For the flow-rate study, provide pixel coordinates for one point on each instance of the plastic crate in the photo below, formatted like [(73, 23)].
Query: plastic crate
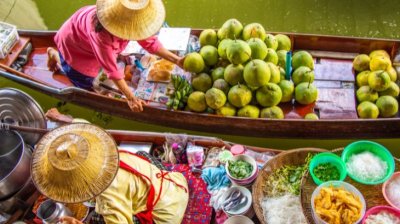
[(8, 38)]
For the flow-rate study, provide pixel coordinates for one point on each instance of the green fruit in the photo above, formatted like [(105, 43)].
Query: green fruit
[(311, 116), (234, 74), (303, 74), (202, 82), (253, 30), (387, 105), (238, 52), (284, 42), (256, 73), (305, 93), (210, 55), (376, 53), (271, 42), (362, 78), (361, 62), (222, 85), (283, 73), (275, 73), (215, 98), (197, 101), (223, 45), (392, 73), (379, 63), (287, 88), (273, 112), (231, 29), (239, 96), (249, 111), (365, 93), (272, 56), (208, 37), (218, 73), (194, 63), (282, 58), (393, 90), (302, 58), (367, 109), (226, 110), (269, 95), (379, 80), (258, 48)]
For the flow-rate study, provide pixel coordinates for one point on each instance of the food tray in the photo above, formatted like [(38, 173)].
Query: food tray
[(372, 193), (8, 38)]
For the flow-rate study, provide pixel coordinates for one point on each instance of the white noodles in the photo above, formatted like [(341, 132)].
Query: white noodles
[(285, 209)]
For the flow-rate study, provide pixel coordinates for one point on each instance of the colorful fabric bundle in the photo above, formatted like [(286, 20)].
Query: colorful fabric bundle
[(215, 177)]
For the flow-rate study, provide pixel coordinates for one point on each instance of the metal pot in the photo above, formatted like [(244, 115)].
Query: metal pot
[(15, 162), (19, 200), (50, 211)]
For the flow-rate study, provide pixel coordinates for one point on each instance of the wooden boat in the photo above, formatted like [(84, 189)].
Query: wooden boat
[(336, 105), (155, 139)]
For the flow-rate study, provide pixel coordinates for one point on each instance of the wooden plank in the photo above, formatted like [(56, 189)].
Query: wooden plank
[(15, 51)]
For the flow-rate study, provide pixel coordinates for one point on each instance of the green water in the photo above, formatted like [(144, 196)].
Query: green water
[(366, 18)]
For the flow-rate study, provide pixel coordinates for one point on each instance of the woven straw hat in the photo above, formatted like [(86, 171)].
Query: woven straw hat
[(74, 163), (131, 19)]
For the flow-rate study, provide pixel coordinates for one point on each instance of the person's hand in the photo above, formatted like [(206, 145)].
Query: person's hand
[(69, 220), (180, 62), (135, 104)]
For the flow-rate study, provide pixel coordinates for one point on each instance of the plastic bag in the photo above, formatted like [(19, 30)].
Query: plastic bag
[(195, 155)]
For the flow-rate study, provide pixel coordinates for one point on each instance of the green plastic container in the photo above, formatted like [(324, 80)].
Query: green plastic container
[(375, 148), (327, 157)]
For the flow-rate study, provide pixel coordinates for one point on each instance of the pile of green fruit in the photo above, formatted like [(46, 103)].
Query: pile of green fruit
[(377, 88), (182, 90), (240, 71)]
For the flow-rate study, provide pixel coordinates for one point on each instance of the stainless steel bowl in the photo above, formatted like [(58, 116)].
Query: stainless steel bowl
[(50, 211), (15, 162)]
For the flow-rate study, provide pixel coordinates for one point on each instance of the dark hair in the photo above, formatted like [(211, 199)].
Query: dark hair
[(97, 25)]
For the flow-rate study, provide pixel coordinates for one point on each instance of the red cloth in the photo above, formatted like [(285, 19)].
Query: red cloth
[(198, 210), (87, 51)]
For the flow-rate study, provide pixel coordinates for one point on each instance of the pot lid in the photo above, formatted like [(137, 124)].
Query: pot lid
[(18, 108)]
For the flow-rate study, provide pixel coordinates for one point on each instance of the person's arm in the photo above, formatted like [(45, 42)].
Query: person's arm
[(154, 46), (134, 103), (103, 48)]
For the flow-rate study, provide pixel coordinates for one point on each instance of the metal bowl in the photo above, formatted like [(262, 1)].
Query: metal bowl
[(15, 161)]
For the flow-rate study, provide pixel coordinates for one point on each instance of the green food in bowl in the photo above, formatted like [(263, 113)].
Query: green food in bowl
[(378, 150), (240, 169), (327, 167)]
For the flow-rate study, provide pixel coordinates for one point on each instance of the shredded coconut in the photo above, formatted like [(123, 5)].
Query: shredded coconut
[(382, 218), (285, 209), (367, 166), (393, 191)]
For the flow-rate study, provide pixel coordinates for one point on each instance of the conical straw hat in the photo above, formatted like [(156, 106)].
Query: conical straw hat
[(131, 19), (74, 163)]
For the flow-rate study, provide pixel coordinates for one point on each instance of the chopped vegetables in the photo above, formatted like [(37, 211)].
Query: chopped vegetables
[(326, 172), (337, 205), (240, 169), (366, 166), (286, 180)]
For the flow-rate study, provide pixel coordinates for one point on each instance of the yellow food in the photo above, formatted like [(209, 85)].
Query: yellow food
[(337, 206)]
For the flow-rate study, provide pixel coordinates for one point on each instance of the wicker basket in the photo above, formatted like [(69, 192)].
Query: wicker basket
[(290, 157)]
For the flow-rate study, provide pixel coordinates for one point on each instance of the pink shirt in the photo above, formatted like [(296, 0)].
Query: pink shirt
[(87, 51)]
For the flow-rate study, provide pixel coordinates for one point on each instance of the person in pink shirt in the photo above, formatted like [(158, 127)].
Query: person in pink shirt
[(92, 38)]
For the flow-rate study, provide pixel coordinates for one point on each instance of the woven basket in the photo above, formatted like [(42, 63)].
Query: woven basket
[(290, 157)]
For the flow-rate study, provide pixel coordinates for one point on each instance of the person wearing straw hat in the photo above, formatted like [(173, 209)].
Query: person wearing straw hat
[(77, 162), (93, 37)]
